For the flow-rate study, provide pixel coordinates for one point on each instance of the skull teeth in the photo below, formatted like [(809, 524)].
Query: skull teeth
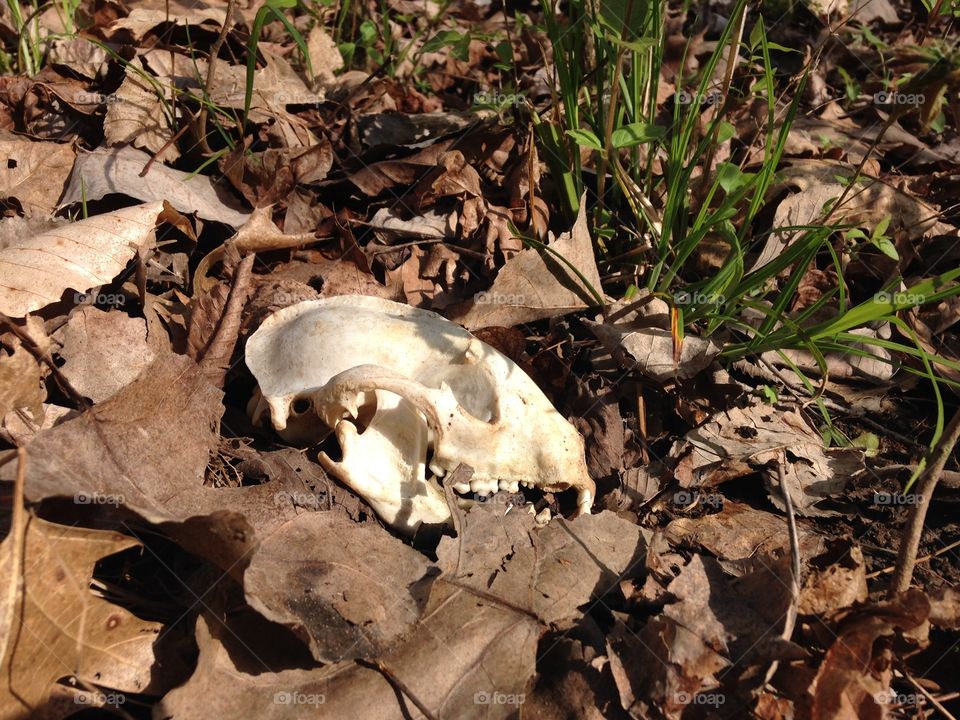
[(509, 486), (483, 487), (462, 487)]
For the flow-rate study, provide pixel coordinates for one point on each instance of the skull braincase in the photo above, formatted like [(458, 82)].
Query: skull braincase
[(395, 383)]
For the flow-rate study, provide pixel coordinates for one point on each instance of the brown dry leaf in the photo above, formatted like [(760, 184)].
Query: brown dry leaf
[(471, 659), (651, 351), (275, 86), (837, 579), (549, 571), (535, 284), (325, 58), (62, 627), (453, 177), (818, 182), (879, 368), (834, 128), (21, 384), (216, 356), (708, 603), (353, 590), (147, 15), (659, 669), (105, 171), (206, 309), (743, 440), (136, 116), (79, 54), (104, 351), (258, 234), (274, 175), (430, 225), (602, 428), (678, 654), (34, 173), (866, 11), (739, 532), (147, 448), (35, 270), (15, 227), (945, 608), (853, 681), (22, 428), (429, 275), (638, 333), (573, 681), (374, 178)]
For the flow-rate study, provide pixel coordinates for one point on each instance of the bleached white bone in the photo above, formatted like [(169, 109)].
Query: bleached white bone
[(393, 382)]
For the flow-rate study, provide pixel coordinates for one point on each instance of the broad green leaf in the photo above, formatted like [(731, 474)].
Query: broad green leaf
[(725, 131), (586, 138), (636, 134), (732, 178), (443, 39)]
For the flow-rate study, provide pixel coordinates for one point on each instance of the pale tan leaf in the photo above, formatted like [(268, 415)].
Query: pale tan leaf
[(364, 585), (325, 58), (638, 333), (136, 116), (36, 270), (34, 173), (62, 628), (20, 383), (535, 284), (147, 15), (104, 351), (79, 54), (739, 441), (117, 170), (820, 182), (471, 659)]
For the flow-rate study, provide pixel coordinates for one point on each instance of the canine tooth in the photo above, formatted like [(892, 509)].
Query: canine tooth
[(504, 484), (514, 487), (462, 487)]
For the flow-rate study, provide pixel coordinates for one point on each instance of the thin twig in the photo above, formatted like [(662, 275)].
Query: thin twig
[(791, 618), (933, 701), (948, 478), (461, 474), (910, 542), (211, 73), (925, 558)]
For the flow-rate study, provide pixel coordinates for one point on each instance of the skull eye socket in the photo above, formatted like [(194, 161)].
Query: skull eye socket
[(300, 406)]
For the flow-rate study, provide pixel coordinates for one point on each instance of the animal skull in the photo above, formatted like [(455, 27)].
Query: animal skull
[(394, 382)]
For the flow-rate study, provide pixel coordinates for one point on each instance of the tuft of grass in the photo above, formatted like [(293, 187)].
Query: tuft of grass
[(656, 184)]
